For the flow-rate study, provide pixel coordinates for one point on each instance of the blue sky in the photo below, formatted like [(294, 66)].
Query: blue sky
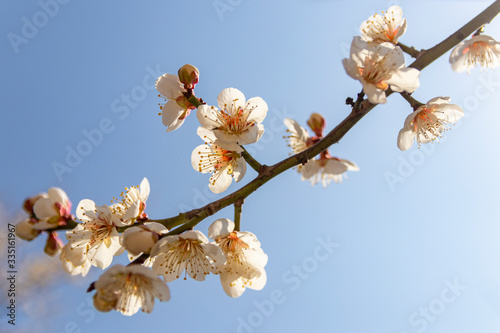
[(368, 255)]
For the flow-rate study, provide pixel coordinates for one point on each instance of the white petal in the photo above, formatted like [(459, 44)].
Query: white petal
[(405, 79), (258, 283), (86, 210), (44, 209), (452, 113), (374, 94), (222, 181), (335, 167), (175, 125), (232, 284), (206, 134), (401, 30), (405, 139), (294, 127), (171, 112), (351, 68), (258, 109), (252, 135), (206, 116), (144, 189), (196, 158), (310, 169), (220, 228), (230, 98), (169, 86), (57, 195), (240, 169)]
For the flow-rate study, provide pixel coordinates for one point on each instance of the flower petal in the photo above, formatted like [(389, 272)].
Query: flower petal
[(405, 79), (169, 86), (230, 99)]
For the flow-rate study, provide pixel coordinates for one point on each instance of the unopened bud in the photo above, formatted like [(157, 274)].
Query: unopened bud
[(141, 239), (30, 202), (24, 230), (189, 76), (317, 124), (104, 301), (54, 244)]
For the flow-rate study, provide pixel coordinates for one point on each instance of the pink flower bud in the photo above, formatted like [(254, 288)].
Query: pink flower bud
[(54, 244), (24, 229), (189, 76), (30, 202), (317, 124)]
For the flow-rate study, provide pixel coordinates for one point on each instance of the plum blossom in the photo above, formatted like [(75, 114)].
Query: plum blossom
[(379, 67), (245, 260), (177, 108), (327, 169), (127, 289), (132, 204), (189, 252), (74, 260), (384, 28), (97, 234), (222, 159), (52, 209), (428, 122), (236, 120), (480, 50), (298, 137)]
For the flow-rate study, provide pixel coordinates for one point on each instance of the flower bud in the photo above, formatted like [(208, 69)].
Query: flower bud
[(317, 124), (30, 202), (141, 239), (54, 245), (104, 300), (24, 229), (189, 76)]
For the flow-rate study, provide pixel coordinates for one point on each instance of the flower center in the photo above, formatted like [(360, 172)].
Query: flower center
[(481, 53)]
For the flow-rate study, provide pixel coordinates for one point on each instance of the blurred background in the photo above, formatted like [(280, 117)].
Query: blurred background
[(408, 244)]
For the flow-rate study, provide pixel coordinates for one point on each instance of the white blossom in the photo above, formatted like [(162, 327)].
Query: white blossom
[(326, 170), (480, 50), (224, 162), (132, 204), (379, 67), (97, 234), (74, 260), (236, 120), (245, 260), (387, 27), (189, 252), (127, 289), (428, 122), (177, 108)]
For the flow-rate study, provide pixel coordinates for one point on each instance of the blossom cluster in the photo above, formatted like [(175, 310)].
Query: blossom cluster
[(157, 255), (95, 240)]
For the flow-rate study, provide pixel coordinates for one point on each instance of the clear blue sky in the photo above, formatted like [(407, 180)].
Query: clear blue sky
[(429, 241)]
